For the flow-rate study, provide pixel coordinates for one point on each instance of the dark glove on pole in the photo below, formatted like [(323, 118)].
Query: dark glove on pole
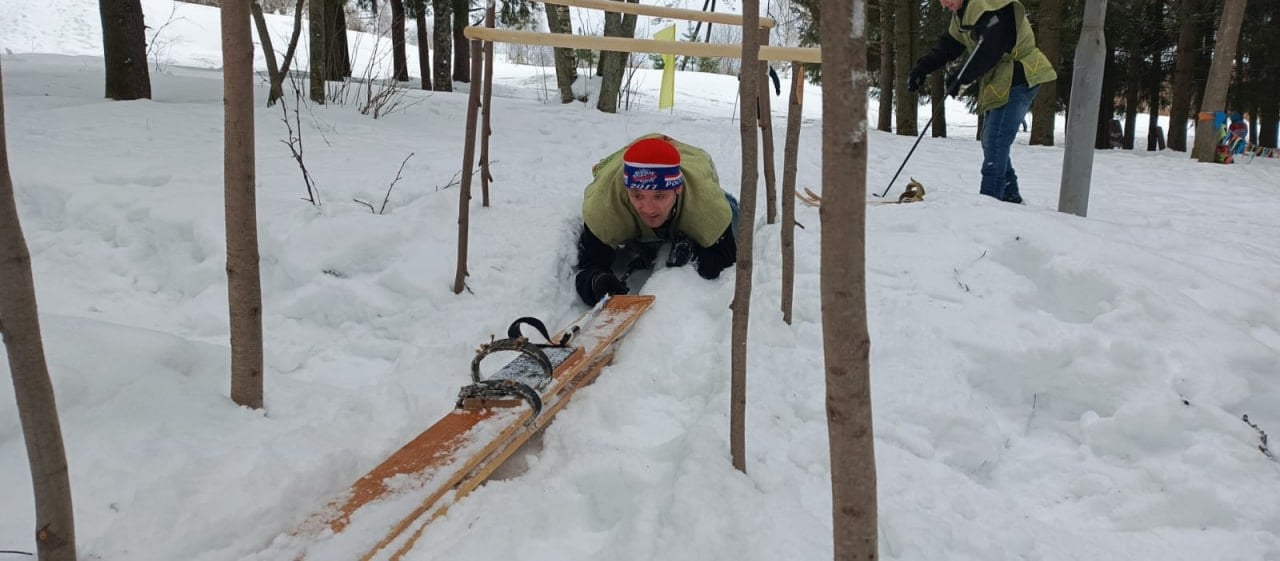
[(916, 79), (594, 284)]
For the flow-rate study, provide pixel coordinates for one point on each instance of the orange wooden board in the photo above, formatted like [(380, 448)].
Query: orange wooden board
[(454, 455)]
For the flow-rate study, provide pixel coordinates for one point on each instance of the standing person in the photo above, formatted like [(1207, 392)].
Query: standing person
[(1009, 70), (1238, 133), (657, 190)]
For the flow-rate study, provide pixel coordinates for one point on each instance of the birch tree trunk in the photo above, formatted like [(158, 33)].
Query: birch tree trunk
[(846, 340), (612, 63), (566, 61), (37, 409), (244, 288)]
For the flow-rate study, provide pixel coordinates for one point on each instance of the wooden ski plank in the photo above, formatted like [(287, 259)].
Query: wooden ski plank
[(463, 448), (482, 473)]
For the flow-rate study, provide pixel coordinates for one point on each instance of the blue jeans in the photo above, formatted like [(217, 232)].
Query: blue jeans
[(999, 128)]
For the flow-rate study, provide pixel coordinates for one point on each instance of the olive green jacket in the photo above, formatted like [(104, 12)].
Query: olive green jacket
[(993, 87)]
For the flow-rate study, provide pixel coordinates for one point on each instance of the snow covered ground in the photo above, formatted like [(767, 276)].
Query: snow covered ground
[(1045, 386)]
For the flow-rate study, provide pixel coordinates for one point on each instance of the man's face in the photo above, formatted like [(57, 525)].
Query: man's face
[(952, 5), (653, 206)]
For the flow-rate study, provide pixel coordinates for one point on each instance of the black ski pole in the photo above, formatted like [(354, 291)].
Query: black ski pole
[(972, 52)]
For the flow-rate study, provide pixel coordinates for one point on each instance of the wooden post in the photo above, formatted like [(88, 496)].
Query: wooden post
[(748, 88), (1082, 121), (622, 44), (662, 12), (468, 164), (766, 138), (790, 154), (485, 130)]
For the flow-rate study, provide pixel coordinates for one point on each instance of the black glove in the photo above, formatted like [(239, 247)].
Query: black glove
[(916, 79), (594, 284), (711, 262), (953, 84), (681, 252)]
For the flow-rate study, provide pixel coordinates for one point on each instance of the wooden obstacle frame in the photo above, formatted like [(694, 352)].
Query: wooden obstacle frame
[(482, 39)]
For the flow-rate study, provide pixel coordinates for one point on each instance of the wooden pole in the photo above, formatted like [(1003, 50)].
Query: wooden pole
[(622, 44), (485, 129), (749, 89), (468, 164), (765, 115), (790, 154), (660, 11)]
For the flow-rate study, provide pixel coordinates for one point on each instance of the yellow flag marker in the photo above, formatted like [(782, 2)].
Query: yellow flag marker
[(667, 95)]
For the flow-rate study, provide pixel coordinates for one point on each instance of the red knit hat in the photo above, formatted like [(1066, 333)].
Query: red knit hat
[(652, 164)]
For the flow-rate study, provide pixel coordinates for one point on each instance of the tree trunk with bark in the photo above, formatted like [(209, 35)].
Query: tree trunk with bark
[(338, 57), (244, 285), (468, 164), (1215, 91), (1153, 46), (885, 122), (1132, 94), (33, 389), (1044, 109), (424, 47), (486, 104), (790, 154), (461, 45), (124, 49), (748, 114), (904, 31), (264, 38), (765, 111), (442, 77), (277, 75), (566, 61), (316, 50), (612, 63), (938, 84), (938, 90), (1107, 101), (399, 61), (846, 339), (1183, 72)]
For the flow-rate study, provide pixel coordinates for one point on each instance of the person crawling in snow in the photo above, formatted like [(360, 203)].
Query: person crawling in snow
[(656, 190)]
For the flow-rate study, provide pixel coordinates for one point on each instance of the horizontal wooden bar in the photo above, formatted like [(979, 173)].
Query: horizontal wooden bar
[(626, 45), (658, 11)]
